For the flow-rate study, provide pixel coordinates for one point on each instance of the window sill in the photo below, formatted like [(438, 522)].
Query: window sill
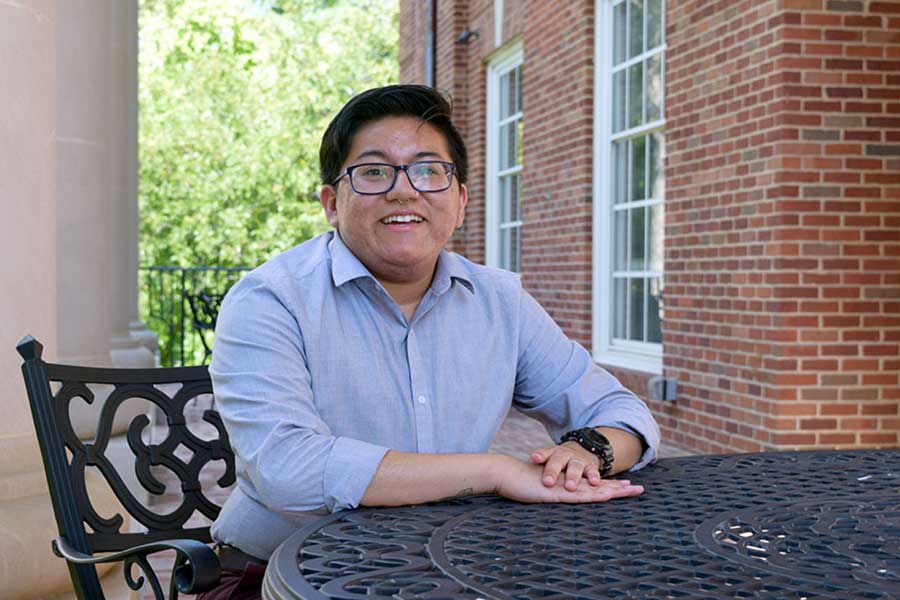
[(644, 363)]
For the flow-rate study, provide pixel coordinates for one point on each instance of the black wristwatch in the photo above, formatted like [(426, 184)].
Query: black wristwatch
[(596, 443)]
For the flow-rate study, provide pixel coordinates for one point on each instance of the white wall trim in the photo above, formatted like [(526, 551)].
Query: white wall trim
[(646, 357), (502, 61)]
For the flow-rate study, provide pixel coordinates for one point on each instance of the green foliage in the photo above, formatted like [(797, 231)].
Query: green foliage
[(234, 97)]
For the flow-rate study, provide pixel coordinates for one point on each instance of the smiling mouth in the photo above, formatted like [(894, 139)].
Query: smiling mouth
[(402, 219)]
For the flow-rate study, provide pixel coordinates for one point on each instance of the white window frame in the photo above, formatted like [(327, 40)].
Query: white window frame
[(502, 62), (639, 356)]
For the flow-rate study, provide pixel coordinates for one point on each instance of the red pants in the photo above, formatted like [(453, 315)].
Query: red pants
[(233, 585)]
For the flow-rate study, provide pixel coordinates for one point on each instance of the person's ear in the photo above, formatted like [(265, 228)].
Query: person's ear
[(328, 198), (463, 200)]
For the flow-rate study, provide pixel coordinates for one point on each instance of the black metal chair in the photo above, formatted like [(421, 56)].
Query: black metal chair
[(204, 312), (85, 537)]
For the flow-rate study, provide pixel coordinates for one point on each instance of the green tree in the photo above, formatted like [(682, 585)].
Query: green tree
[(234, 97)]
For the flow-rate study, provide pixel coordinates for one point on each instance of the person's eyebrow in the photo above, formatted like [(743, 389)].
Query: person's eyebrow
[(425, 154)]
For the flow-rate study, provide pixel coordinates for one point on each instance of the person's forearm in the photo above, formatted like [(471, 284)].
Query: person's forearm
[(411, 478), (627, 448)]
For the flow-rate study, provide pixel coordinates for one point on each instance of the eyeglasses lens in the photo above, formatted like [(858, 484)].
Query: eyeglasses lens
[(424, 176)]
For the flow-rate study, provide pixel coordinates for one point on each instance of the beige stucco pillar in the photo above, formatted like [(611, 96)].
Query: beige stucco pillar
[(68, 235), (28, 273), (97, 182)]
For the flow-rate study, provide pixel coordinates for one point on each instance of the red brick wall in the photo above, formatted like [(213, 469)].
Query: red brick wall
[(412, 41), (782, 300), (558, 105), (557, 89), (782, 320)]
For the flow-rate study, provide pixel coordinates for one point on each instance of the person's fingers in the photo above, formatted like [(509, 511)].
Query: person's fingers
[(541, 455), (606, 491), (574, 470), (592, 475), (553, 467)]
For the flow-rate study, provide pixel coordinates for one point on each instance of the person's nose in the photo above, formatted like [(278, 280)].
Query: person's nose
[(403, 191)]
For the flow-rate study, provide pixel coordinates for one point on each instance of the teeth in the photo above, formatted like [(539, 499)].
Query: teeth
[(402, 219)]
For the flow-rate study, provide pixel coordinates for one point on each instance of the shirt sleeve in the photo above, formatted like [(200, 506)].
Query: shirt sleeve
[(558, 383), (264, 395)]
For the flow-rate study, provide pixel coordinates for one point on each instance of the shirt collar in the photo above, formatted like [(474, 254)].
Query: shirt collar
[(449, 269), (346, 267)]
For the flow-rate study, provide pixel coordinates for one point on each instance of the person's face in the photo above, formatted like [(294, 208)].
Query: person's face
[(396, 251)]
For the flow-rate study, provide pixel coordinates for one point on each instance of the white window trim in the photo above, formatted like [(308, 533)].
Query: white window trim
[(502, 62), (636, 356)]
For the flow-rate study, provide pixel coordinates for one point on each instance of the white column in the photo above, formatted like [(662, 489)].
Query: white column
[(68, 233), (28, 274), (97, 182), (132, 344)]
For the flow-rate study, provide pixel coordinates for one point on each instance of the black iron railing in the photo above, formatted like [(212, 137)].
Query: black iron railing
[(180, 305)]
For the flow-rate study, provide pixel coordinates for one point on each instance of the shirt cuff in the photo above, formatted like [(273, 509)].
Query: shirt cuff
[(349, 470), (650, 436)]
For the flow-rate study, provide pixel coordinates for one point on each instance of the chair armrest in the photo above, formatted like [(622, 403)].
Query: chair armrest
[(196, 566)]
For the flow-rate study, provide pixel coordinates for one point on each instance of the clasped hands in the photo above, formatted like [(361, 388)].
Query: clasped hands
[(563, 473)]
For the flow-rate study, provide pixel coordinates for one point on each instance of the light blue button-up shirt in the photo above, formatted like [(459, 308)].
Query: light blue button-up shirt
[(317, 374)]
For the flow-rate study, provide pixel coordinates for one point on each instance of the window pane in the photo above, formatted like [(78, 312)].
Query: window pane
[(620, 240), (510, 248), (656, 176), (654, 325), (636, 310), (508, 151), (515, 202), (620, 302), (638, 239), (654, 87), (635, 94), (520, 139), (656, 233), (620, 172), (619, 33), (504, 249), (510, 203), (638, 168), (504, 96), (518, 88), (635, 28), (618, 100), (516, 252), (504, 199), (654, 23)]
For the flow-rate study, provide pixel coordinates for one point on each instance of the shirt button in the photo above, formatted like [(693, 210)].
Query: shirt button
[(421, 399)]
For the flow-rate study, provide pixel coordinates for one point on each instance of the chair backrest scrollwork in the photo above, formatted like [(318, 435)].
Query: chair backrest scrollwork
[(182, 450)]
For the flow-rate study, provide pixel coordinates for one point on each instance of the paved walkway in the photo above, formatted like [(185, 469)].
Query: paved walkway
[(518, 437)]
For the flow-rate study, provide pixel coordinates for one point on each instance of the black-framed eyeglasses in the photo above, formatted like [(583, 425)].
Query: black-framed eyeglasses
[(380, 178)]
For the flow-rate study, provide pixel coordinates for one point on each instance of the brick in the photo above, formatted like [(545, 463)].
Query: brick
[(794, 439), (887, 439), (884, 7), (802, 4), (861, 21), (883, 150), (880, 409), (834, 409), (858, 423), (799, 408), (837, 439)]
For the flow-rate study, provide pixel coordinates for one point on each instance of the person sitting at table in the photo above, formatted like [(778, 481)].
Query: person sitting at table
[(370, 367)]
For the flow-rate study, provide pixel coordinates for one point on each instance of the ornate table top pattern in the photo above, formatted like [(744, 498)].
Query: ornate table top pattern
[(775, 525)]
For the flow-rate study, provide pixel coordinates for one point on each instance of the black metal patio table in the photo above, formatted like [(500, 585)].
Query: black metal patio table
[(772, 525)]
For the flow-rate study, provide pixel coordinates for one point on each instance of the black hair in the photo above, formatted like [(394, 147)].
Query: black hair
[(419, 101)]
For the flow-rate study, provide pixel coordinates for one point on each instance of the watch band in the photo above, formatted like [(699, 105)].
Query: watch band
[(596, 443)]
